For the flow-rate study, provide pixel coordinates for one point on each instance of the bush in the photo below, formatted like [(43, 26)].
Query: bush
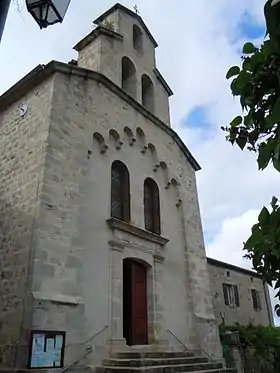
[(259, 347)]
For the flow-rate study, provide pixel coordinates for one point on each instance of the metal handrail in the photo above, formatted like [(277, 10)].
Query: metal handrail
[(207, 355), (89, 350), (178, 340), (188, 349)]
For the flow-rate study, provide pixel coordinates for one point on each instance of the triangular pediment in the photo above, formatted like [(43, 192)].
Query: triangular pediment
[(133, 14)]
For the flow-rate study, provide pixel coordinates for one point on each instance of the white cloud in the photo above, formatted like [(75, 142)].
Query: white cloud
[(233, 231)]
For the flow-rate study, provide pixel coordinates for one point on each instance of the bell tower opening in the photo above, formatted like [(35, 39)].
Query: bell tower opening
[(129, 81), (148, 93), (137, 39)]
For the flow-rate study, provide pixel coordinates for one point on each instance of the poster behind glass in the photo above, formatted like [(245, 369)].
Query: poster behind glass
[(47, 350)]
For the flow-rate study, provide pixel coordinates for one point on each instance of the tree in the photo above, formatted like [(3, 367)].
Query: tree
[(257, 83)]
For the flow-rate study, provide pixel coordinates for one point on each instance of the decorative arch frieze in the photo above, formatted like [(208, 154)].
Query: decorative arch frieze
[(129, 133), (146, 148), (115, 136), (101, 142), (175, 184)]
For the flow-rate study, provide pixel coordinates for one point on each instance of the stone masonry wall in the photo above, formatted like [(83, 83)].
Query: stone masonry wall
[(105, 55), (59, 254), (244, 314), (22, 152), (71, 271)]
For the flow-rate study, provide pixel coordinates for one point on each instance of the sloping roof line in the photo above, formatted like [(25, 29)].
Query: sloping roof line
[(42, 72), (131, 13), (112, 34), (163, 82), (231, 266), (94, 34)]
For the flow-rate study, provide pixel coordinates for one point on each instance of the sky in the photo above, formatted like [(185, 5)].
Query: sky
[(198, 42)]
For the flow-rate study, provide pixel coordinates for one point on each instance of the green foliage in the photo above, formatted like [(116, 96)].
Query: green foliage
[(257, 84), (263, 246), (260, 337), (234, 70), (259, 345)]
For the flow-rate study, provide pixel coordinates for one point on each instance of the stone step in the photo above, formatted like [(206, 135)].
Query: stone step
[(163, 368), (223, 370), (152, 355), (155, 361)]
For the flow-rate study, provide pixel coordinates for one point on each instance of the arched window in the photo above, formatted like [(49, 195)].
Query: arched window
[(151, 206), (120, 192), (129, 81), (137, 39), (147, 93)]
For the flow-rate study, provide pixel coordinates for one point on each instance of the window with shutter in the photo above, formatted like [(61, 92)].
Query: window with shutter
[(256, 299), (120, 192), (225, 294), (236, 296), (259, 300), (231, 295), (151, 206)]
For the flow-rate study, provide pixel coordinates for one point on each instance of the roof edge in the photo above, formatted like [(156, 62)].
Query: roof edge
[(94, 34), (163, 82), (33, 78), (36, 76), (234, 267), (131, 13)]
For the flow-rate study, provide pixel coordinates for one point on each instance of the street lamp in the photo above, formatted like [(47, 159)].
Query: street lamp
[(47, 12), (4, 7)]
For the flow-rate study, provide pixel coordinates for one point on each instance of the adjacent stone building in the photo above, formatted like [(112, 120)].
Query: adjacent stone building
[(239, 295), (101, 237)]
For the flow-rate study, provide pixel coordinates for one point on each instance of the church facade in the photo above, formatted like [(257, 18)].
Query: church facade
[(101, 236)]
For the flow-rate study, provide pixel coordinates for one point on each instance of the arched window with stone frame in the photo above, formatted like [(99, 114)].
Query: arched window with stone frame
[(137, 39), (120, 192), (148, 96), (129, 78), (152, 206)]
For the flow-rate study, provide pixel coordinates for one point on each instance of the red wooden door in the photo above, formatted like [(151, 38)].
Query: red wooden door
[(139, 327)]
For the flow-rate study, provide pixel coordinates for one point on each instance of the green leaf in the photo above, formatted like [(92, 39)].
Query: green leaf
[(239, 83), (274, 2), (264, 216), (277, 286), (248, 120), (241, 141), (276, 164), (276, 154), (234, 70), (265, 154), (257, 259), (275, 114), (268, 48), (252, 241), (236, 121), (271, 19), (249, 48), (273, 204)]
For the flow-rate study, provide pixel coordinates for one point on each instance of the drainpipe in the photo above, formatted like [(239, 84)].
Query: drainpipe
[(268, 304)]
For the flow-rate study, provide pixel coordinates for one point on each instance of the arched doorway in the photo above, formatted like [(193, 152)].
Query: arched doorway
[(135, 312)]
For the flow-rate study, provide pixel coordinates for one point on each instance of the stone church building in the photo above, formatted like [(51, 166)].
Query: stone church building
[(101, 236)]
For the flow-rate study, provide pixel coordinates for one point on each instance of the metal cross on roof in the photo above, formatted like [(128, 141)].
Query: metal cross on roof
[(136, 9)]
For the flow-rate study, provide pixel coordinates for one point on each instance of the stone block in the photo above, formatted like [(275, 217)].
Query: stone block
[(43, 269)]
